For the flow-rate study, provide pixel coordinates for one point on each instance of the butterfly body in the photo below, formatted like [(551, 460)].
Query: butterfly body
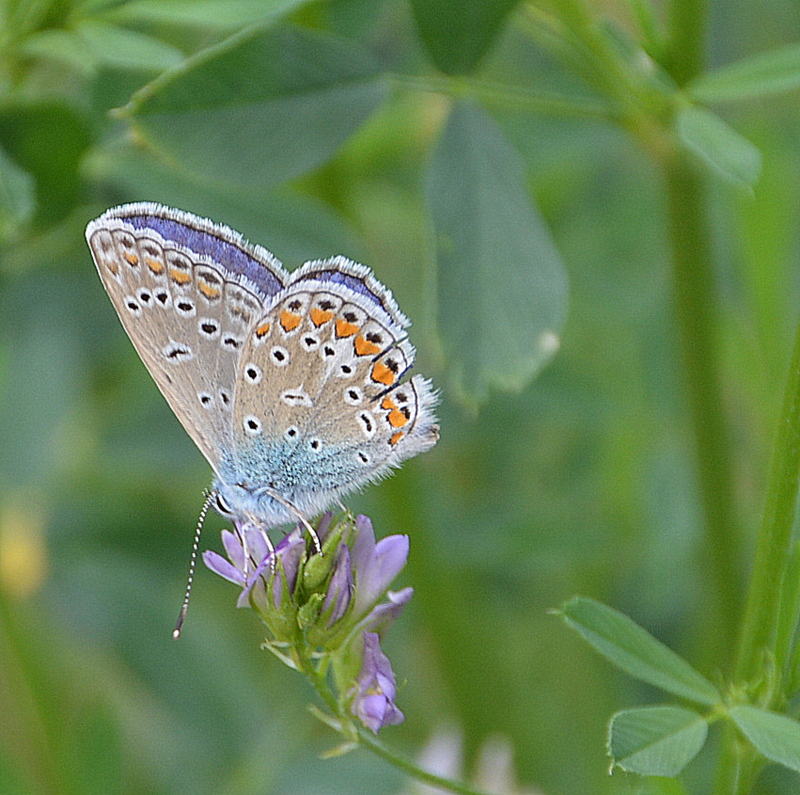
[(292, 385)]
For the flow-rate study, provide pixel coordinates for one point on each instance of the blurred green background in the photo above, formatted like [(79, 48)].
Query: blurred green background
[(582, 482)]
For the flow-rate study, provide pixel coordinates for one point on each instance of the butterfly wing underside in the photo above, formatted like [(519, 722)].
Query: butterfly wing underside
[(294, 387), (322, 405), (186, 313)]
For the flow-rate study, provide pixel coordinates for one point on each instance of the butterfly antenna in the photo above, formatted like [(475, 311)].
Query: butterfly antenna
[(176, 633)]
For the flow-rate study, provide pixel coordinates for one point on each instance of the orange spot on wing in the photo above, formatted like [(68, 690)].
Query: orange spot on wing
[(397, 418), (396, 437), (366, 348), (263, 330), (345, 329), (208, 291), (382, 374), (179, 277), (131, 258), (289, 320), (388, 404), (320, 316), (154, 265)]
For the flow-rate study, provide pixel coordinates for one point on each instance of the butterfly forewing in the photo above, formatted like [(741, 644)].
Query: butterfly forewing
[(186, 316)]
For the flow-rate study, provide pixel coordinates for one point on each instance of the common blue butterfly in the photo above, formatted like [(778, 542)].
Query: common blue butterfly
[(294, 386)]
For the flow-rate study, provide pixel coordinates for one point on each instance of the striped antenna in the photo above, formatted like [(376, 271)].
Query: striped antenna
[(176, 633)]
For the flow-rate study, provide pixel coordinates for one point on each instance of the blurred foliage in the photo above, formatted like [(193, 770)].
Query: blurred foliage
[(360, 127)]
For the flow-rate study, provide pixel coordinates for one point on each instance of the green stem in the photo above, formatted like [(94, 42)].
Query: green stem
[(543, 102), (774, 546), (687, 25), (694, 305), (401, 763), (370, 742)]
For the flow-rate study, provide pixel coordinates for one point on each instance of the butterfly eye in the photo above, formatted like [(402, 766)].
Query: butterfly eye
[(221, 505)]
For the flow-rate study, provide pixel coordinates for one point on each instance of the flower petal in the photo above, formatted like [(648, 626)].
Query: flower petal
[(384, 613), (220, 566), (233, 548), (372, 580), (255, 541), (363, 545), (373, 703), (340, 587), (324, 525)]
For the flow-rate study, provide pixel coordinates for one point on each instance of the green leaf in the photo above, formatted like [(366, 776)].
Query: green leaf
[(656, 741), (293, 225), (17, 195), (458, 33), (757, 76), (636, 651), (63, 46), (719, 145), (213, 14), (48, 139), (262, 107), (776, 736), (502, 289), (126, 49)]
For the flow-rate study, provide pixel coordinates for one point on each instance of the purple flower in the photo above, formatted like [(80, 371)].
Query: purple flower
[(325, 610), (340, 588), (342, 591), (376, 565), (375, 688), (250, 563)]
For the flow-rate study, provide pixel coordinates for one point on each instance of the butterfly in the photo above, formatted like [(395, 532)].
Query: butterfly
[(294, 386)]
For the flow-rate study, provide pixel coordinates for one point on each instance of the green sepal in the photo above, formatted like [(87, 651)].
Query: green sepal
[(308, 613)]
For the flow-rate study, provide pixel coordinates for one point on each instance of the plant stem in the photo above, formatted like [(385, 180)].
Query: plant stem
[(370, 742), (687, 27), (547, 103), (774, 546), (694, 305), (401, 763)]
